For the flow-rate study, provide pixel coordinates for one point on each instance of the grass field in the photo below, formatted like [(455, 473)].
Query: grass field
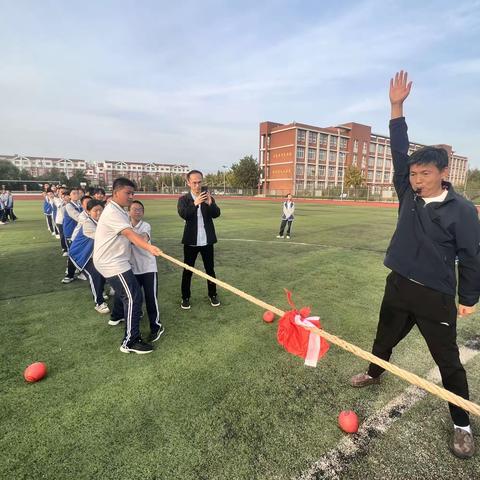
[(218, 398)]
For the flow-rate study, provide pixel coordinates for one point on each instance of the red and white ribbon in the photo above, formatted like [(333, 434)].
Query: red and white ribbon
[(313, 349)]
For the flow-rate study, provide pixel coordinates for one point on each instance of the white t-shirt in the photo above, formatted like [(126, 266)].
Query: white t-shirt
[(143, 261), (60, 210), (440, 198), (81, 220), (112, 251)]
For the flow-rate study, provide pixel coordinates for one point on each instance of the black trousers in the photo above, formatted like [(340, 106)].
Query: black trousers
[(97, 282), (282, 227), (49, 218), (190, 255), (127, 304), (149, 283), (9, 214), (63, 242), (71, 268), (405, 304)]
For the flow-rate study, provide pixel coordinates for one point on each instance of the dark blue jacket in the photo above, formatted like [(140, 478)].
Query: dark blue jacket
[(429, 237)]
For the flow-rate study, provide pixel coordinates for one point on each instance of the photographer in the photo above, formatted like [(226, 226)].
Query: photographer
[(198, 209)]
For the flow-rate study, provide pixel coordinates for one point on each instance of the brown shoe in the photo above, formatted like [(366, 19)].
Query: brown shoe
[(363, 380), (463, 445)]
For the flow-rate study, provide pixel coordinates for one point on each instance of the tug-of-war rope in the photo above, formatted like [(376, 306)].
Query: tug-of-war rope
[(399, 372)]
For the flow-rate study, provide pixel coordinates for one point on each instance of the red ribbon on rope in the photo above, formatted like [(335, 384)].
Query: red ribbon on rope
[(296, 339)]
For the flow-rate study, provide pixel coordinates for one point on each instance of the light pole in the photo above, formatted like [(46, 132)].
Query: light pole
[(224, 178)]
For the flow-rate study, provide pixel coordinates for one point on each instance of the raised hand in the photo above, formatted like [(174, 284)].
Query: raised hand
[(399, 90)]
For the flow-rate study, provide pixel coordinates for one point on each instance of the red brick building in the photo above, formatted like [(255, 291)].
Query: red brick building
[(299, 158)]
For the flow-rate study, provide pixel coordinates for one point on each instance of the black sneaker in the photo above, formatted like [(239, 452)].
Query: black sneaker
[(185, 304), (139, 346), (153, 337), (214, 301)]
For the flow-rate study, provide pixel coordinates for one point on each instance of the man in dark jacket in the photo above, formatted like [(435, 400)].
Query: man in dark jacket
[(198, 209), (435, 227)]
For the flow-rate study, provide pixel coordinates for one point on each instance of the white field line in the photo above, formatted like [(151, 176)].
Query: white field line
[(333, 463)]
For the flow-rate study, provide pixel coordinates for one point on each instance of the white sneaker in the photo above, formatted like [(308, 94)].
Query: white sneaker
[(111, 292), (103, 308), (65, 254), (288, 236), (105, 297), (68, 280), (280, 236), (115, 322), (57, 236), (81, 276)]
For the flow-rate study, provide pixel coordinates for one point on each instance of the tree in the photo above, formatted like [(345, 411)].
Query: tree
[(148, 183), (472, 185), (245, 173), (353, 177), (77, 178)]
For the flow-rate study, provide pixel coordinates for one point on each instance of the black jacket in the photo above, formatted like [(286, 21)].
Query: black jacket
[(188, 211), (429, 237)]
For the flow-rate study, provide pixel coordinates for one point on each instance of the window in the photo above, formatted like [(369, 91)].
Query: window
[(388, 163), (341, 157), (332, 156), (378, 176), (371, 161), (312, 137), (340, 172), (343, 143), (268, 140), (333, 141), (381, 149), (379, 163), (370, 175), (372, 147), (331, 172), (310, 170), (301, 136), (386, 177), (300, 152), (300, 170), (354, 162), (322, 155), (364, 148), (323, 139), (355, 146), (321, 171), (311, 154)]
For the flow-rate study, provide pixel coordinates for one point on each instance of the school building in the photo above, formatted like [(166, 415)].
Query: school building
[(96, 172), (300, 158)]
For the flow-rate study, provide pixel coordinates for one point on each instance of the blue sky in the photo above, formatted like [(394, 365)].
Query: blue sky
[(189, 81)]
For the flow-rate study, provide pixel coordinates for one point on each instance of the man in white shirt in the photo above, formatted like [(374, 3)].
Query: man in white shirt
[(111, 257), (198, 209)]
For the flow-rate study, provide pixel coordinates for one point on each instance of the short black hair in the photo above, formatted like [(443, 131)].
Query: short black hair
[(93, 202), (138, 202), (86, 197), (99, 190), (436, 155), (191, 172), (122, 182)]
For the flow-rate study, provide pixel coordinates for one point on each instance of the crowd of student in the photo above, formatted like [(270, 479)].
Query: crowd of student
[(72, 216), (6, 207)]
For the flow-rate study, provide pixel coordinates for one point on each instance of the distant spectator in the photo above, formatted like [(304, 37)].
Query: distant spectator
[(287, 216)]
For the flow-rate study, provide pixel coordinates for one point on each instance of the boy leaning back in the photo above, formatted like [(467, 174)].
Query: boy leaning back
[(112, 256)]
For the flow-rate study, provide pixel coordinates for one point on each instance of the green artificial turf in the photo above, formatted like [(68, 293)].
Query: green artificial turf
[(218, 398)]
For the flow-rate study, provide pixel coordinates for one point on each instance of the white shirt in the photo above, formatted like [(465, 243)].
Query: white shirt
[(440, 198), (81, 220), (112, 251), (201, 233), (143, 261), (60, 210)]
